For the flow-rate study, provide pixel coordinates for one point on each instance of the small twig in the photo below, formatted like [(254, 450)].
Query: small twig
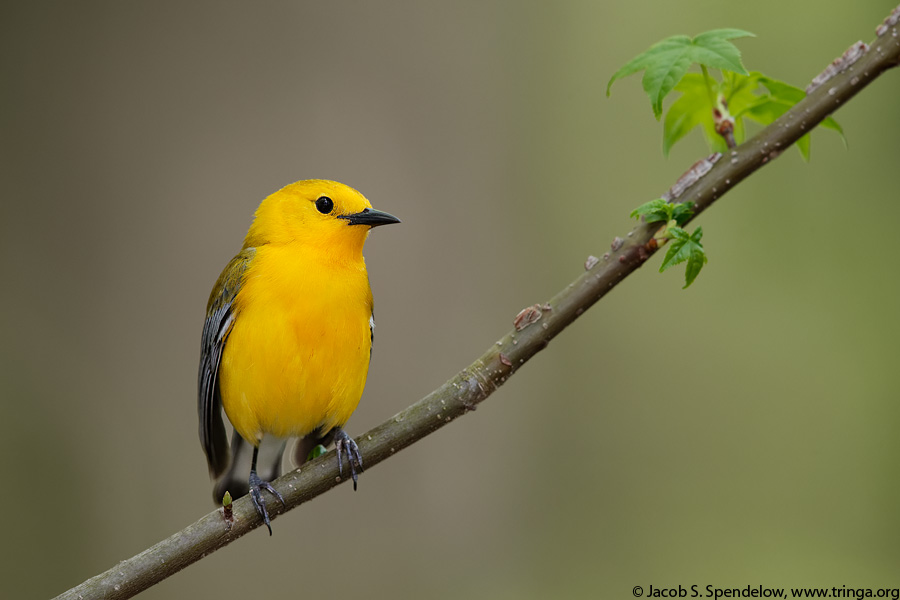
[(722, 119)]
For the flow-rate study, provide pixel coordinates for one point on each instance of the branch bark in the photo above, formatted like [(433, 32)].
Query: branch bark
[(535, 326)]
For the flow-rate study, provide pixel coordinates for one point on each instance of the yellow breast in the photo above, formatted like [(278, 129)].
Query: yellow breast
[(298, 354)]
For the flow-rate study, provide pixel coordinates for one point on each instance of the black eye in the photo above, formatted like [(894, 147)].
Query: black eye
[(324, 205)]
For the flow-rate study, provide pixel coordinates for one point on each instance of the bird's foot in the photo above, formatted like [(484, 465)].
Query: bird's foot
[(256, 487), (344, 443)]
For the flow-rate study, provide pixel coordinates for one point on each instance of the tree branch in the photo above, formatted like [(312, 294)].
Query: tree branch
[(535, 326)]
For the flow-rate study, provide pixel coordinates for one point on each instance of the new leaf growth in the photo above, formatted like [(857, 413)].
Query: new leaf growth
[(718, 106), (683, 246)]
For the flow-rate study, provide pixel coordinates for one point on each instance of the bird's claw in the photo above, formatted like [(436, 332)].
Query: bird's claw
[(344, 443), (256, 485)]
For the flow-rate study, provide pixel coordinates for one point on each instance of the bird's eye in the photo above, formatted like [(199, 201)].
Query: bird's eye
[(324, 205)]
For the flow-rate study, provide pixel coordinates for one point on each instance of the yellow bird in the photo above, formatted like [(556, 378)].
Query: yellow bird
[(288, 336)]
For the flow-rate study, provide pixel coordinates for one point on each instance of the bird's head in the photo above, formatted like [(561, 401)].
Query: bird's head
[(316, 212)]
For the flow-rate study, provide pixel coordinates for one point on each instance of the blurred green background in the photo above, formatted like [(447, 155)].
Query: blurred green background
[(740, 432)]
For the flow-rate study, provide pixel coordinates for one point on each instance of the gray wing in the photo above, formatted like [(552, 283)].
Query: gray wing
[(220, 317)]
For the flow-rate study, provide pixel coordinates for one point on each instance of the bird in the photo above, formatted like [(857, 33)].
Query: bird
[(287, 338)]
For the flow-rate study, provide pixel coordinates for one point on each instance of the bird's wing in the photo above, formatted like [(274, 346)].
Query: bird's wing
[(371, 333), (219, 320)]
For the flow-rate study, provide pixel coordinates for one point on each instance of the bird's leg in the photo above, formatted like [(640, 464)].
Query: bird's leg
[(256, 485), (344, 443)]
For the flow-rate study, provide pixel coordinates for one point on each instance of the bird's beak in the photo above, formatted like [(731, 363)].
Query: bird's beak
[(370, 217)]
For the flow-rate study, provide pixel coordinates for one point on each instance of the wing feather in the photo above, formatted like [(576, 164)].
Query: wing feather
[(220, 315)]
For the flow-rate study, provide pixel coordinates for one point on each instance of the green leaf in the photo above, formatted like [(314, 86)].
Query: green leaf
[(678, 234), (682, 212), (692, 109), (685, 247), (666, 62), (696, 260), (660, 210), (688, 111), (781, 97), (316, 452), (714, 49), (790, 95), (830, 123), (745, 99), (653, 211)]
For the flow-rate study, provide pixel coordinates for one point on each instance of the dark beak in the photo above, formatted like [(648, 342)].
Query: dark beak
[(370, 217)]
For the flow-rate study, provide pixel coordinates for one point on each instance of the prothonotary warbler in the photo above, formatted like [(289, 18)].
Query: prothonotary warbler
[(288, 336)]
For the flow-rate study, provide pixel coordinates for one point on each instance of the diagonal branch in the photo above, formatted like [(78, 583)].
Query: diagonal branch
[(535, 326)]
